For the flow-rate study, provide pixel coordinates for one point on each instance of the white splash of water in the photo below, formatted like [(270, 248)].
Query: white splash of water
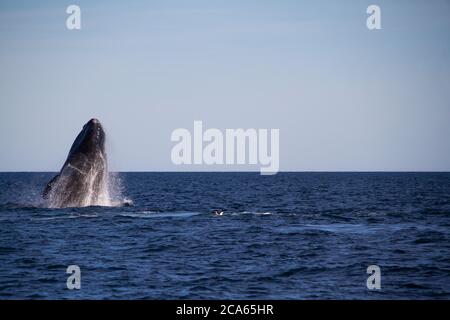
[(97, 189), (78, 188), (116, 191)]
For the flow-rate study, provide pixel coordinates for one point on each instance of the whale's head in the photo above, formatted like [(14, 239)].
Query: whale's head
[(90, 140)]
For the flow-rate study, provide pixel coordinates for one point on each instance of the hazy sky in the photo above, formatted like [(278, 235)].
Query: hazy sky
[(343, 97)]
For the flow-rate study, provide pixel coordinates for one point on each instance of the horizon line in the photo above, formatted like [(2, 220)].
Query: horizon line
[(255, 171)]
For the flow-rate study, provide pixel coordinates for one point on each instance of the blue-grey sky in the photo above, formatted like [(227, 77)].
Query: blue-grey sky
[(343, 97)]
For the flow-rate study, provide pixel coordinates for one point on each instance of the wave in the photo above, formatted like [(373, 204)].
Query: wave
[(68, 216), (153, 214), (263, 213)]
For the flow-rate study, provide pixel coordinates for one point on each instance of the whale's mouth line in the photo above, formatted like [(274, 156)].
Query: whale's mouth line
[(76, 169)]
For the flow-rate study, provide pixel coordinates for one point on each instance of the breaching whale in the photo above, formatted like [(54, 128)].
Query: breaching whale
[(83, 179)]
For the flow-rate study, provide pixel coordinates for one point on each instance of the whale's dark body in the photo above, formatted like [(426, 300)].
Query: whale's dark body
[(82, 180)]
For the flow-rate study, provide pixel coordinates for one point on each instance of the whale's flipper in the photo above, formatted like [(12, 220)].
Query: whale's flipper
[(49, 186)]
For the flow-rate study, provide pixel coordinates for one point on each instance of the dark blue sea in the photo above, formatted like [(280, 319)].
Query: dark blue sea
[(287, 236)]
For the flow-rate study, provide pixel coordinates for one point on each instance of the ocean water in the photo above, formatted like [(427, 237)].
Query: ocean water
[(288, 236)]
